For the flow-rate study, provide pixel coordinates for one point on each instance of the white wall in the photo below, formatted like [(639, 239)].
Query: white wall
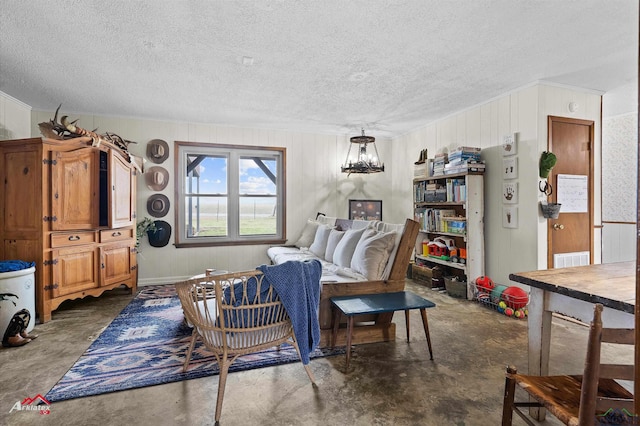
[(15, 118), (524, 112), (314, 183)]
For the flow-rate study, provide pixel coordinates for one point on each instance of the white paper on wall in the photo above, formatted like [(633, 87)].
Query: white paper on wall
[(573, 193)]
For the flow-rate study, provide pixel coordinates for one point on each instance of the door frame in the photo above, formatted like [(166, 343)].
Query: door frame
[(550, 120)]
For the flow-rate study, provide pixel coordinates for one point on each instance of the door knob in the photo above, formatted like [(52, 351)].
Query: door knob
[(558, 226)]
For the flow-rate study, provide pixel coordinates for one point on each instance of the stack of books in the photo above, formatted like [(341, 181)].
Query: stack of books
[(439, 163), (464, 159)]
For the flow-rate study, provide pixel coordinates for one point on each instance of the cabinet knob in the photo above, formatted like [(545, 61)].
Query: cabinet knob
[(116, 234), (558, 226), (74, 237)]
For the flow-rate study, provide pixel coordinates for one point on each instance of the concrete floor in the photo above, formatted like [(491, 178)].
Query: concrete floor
[(388, 383)]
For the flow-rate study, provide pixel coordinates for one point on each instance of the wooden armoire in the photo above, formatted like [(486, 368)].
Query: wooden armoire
[(69, 207)]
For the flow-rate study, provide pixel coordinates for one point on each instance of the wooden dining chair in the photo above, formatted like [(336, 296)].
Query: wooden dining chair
[(234, 314), (578, 400)]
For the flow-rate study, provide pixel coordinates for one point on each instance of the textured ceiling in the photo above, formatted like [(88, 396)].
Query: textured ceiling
[(328, 66)]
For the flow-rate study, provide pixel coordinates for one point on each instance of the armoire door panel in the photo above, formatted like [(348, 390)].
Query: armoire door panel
[(116, 263), (75, 269), (121, 192), (22, 171), (75, 191)]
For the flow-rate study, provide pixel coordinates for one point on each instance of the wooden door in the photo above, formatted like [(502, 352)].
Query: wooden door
[(74, 189), (121, 192), (571, 140)]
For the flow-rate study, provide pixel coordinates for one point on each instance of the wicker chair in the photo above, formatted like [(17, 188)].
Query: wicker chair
[(578, 400), (234, 314)]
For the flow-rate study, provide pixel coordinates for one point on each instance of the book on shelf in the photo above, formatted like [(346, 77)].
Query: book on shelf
[(456, 191), (431, 219)]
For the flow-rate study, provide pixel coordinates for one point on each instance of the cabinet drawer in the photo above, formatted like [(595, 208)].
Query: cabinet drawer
[(64, 239), (116, 234)]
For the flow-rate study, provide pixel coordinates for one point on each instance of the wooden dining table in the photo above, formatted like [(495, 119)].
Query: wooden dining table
[(573, 292)]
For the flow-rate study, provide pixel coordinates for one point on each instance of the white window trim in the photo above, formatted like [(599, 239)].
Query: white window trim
[(234, 152)]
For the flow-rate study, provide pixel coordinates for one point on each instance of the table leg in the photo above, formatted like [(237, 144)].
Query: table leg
[(406, 320), (350, 321), (539, 341), (425, 323), (336, 325)]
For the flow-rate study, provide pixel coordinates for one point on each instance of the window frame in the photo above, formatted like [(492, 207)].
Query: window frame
[(183, 149)]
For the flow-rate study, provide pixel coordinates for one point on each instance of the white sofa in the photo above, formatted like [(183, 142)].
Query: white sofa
[(358, 257)]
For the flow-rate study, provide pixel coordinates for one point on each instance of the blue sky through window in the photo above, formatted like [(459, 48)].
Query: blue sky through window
[(253, 180)]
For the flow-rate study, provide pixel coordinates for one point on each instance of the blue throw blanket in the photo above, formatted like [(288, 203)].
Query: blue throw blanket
[(298, 285), (15, 265)]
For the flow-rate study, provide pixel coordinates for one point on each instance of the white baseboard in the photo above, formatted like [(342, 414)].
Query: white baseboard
[(161, 280)]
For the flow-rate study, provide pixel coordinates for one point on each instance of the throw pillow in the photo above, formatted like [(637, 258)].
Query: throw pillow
[(308, 234), (319, 245), (334, 238), (372, 253), (344, 250), (399, 229)]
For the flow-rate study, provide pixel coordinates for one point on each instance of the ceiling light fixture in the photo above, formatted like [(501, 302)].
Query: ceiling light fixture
[(362, 161)]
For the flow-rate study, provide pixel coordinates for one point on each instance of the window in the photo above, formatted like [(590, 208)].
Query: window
[(229, 194)]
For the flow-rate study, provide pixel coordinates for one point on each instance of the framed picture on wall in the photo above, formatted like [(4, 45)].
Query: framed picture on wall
[(509, 216), (365, 209), (510, 168), (510, 192), (509, 146)]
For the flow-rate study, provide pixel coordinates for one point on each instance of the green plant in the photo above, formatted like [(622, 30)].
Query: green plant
[(147, 224), (547, 161)]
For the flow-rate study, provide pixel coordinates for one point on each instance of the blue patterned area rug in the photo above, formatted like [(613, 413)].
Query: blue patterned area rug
[(146, 345)]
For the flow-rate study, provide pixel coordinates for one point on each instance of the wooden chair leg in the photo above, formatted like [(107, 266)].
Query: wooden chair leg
[(336, 325), (222, 382), (192, 344), (349, 334), (307, 368), (425, 323), (509, 396), (406, 322)]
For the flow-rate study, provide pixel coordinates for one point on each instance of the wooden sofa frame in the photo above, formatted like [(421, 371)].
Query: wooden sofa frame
[(372, 328)]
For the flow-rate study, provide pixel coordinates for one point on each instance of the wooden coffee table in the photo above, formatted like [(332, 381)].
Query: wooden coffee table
[(379, 303)]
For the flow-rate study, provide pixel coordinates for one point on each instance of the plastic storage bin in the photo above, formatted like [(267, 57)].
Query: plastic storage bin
[(17, 287)]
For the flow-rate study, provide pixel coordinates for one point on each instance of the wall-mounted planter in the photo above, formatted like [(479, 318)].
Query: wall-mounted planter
[(550, 210)]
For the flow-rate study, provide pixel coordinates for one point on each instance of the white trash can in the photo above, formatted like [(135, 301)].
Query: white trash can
[(17, 287)]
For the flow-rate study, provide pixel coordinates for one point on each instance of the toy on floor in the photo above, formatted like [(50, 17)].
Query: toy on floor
[(511, 301), (515, 297), (485, 284)]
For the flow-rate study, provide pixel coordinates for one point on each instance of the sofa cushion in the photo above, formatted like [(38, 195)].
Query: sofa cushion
[(345, 248), (308, 234), (319, 245), (372, 253), (399, 229), (334, 238)]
